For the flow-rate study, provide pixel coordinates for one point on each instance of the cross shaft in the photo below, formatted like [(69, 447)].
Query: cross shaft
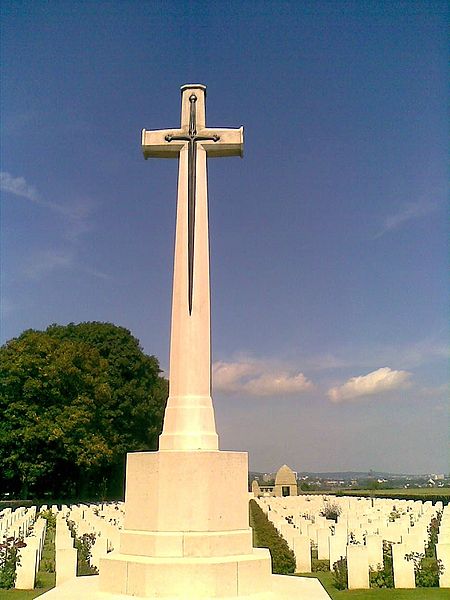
[(189, 417)]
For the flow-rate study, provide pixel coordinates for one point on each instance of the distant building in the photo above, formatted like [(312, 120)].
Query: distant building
[(285, 484)]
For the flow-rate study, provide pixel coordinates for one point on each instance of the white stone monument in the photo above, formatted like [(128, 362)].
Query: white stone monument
[(186, 530)]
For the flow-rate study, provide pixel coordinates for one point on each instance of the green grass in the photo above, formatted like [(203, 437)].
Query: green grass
[(400, 493), (326, 578), (47, 581)]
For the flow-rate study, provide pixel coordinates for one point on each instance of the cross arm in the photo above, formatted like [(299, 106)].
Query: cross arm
[(230, 142), (155, 144)]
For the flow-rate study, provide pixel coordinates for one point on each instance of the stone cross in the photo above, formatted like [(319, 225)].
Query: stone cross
[(189, 417)]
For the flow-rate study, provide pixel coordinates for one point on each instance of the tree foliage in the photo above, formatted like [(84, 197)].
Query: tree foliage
[(74, 400)]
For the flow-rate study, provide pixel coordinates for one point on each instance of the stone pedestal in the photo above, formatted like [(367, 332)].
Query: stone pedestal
[(186, 531), (186, 536)]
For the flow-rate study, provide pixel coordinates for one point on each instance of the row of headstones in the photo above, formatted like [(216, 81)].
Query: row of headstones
[(14, 523), (26, 526), (443, 547), (358, 535), (103, 521), (22, 525)]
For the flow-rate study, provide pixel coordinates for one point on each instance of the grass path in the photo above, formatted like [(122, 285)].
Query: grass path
[(326, 579)]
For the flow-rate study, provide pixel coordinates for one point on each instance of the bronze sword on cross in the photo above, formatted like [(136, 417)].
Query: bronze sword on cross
[(192, 138), (193, 132)]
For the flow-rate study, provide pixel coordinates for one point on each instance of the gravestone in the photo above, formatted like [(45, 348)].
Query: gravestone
[(374, 545), (337, 547), (256, 490), (403, 569), (302, 551), (357, 567), (443, 554), (27, 567), (323, 547)]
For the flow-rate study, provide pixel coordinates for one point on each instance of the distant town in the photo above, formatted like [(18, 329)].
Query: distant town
[(354, 480)]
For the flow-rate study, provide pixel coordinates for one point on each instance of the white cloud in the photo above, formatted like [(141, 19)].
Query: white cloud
[(277, 384), (44, 262), (423, 352), (410, 211), (17, 186), (76, 215), (377, 382), (227, 376), (41, 263), (364, 356), (258, 378), (436, 391), (76, 219)]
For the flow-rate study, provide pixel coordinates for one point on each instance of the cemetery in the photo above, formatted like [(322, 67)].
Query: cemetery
[(187, 526), (378, 542), (185, 529)]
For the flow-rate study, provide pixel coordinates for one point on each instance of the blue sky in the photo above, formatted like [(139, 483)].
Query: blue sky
[(328, 239)]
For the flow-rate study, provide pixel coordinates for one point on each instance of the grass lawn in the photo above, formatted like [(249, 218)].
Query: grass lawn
[(400, 493), (326, 579), (46, 581)]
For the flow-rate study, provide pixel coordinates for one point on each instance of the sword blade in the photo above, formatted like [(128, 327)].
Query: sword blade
[(192, 139), (192, 163), (192, 167)]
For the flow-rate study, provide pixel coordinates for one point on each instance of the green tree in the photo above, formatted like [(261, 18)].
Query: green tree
[(74, 399)]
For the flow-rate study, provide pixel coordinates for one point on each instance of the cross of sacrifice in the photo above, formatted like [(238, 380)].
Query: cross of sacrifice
[(189, 418), (167, 143)]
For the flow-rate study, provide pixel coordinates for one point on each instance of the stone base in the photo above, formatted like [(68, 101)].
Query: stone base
[(192, 544), (213, 577), (186, 536), (186, 532), (187, 491), (280, 587)]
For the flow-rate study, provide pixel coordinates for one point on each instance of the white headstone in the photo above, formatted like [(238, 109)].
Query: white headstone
[(443, 554), (357, 567), (403, 569)]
